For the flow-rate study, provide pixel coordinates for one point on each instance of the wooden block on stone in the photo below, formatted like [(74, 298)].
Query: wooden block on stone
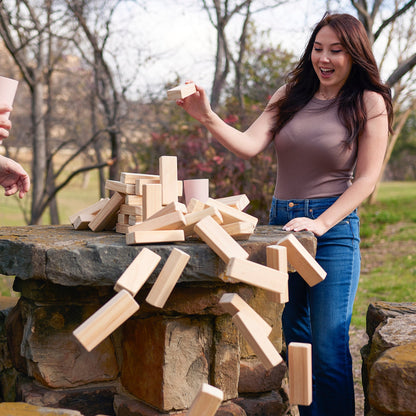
[(302, 260), (300, 373), (220, 242), (108, 213), (139, 270), (257, 339), (90, 210), (135, 219), (82, 221), (168, 170), (181, 91), (122, 188), (131, 209), (231, 214), (276, 258), (255, 274), (239, 230), (236, 201), (122, 228), (167, 278), (194, 217), (106, 320), (152, 199), (233, 303), (122, 218), (172, 221), (207, 401), (157, 236)]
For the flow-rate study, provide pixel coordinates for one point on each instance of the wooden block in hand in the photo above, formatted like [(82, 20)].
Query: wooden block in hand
[(90, 210), (122, 188), (207, 401), (231, 214), (181, 91), (300, 373), (219, 241), (233, 303), (156, 236), (108, 213), (152, 199), (257, 339), (172, 221), (106, 320), (277, 259), (138, 272), (168, 170), (236, 201), (255, 274), (167, 278), (239, 230), (302, 260)]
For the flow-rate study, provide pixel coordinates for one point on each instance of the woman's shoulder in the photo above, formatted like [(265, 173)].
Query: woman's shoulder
[(374, 103)]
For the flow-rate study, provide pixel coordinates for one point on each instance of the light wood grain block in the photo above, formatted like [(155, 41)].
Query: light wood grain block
[(108, 213), (168, 209), (157, 236), (131, 209), (135, 219), (136, 200), (194, 217), (172, 221), (257, 339), (122, 218), (122, 228), (167, 278), (195, 205), (219, 240), (233, 303), (207, 401), (90, 210), (168, 171), (302, 260), (106, 320), (139, 270), (181, 91), (131, 178), (239, 230), (122, 188), (249, 272), (231, 214), (300, 373), (82, 221), (152, 199), (276, 258), (235, 201), (141, 182)]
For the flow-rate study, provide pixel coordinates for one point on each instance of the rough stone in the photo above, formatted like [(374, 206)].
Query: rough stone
[(230, 409), (393, 381), (269, 404)]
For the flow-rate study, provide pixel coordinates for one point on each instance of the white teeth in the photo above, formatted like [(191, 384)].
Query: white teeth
[(326, 70)]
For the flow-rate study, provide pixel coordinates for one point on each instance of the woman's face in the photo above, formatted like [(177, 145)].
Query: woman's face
[(331, 62)]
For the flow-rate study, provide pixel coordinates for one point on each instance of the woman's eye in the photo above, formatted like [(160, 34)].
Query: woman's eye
[(317, 49), (337, 51)]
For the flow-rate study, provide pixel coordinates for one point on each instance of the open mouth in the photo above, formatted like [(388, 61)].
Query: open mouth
[(326, 72)]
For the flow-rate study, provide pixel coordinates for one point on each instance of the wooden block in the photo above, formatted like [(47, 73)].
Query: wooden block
[(131, 209), (135, 219), (108, 213), (167, 278), (257, 339), (139, 270), (141, 182), (302, 261), (168, 170), (172, 221), (255, 274), (181, 91), (122, 188), (220, 242), (277, 259), (82, 221), (122, 218), (168, 209), (136, 200), (300, 373), (207, 401), (239, 230), (233, 303), (231, 214), (127, 177), (194, 217), (122, 228), (152, 199), (90, 210), (236, 201), (158, 236), (106, 320), (195, 205)]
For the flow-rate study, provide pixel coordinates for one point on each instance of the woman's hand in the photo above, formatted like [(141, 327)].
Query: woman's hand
[(13, 177), (306, 224), (196, 105), (5, 123)]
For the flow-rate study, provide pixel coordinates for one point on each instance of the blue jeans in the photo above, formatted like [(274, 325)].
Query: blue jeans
[(321, 314)]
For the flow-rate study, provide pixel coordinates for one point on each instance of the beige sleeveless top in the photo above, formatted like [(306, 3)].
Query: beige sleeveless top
[(313, 160)]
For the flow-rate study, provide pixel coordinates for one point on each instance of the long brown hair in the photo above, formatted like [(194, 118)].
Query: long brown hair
[(302, 82)]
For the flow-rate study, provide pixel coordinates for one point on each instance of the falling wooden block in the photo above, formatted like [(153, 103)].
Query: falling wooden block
[(106, 320), (139, 270), (167, 278), (168, 170), (194, 217), (231, 214), (219, 241), (169, 208), (236, 201), (233, 303), (108, 213), (122, 188), (157, 236), (181, 91), (257, 339), (207, 401), (276, 258), (90, 210), (131, 178), (302, 261), (239, 230), (152, 199), (255, 274), (300, 373), (172, 221)]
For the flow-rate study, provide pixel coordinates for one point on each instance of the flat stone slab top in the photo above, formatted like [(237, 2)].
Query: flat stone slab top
[(68, 257)]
